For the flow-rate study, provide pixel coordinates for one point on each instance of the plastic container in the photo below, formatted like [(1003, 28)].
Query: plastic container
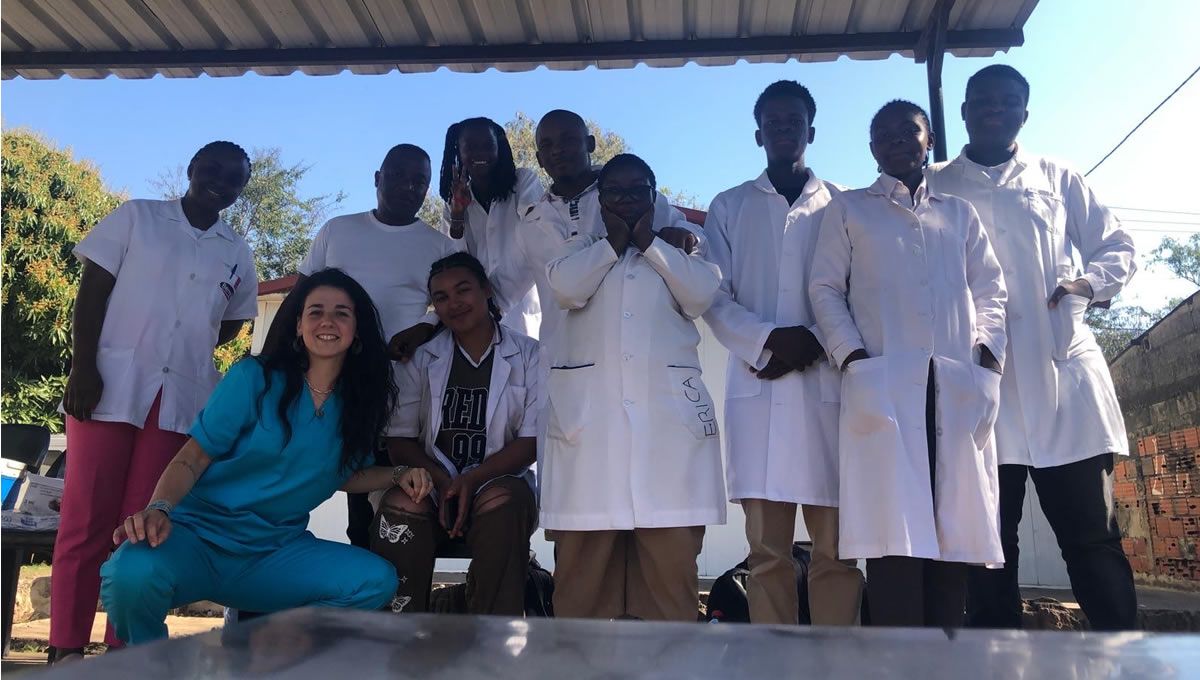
[(10, 472)]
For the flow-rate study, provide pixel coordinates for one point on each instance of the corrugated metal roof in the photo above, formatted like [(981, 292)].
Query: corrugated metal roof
[(184, 38)]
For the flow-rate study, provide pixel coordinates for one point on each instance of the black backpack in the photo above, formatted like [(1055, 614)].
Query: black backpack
[(727, 601), (539, 590)]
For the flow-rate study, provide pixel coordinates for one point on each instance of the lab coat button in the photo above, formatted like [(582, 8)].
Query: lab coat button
[(939, 431), (629, 276), (628, 314), (627, 356), (629, 402), (166, 370), (178, 324), (192, 276)]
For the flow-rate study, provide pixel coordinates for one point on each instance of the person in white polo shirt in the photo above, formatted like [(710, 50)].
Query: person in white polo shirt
[(781, 399), (388, 250), (1059, 423), (164, 283)]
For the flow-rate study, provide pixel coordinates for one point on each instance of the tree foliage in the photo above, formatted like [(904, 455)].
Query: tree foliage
[(1115, 328), (50, 202), (272, 214), (1181, 258)]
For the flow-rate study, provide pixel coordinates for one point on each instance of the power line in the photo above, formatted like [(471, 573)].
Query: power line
[(1153, 210), (1182, 224), (1135, 127)]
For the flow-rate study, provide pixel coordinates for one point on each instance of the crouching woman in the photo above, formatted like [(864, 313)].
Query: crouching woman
[(280, 434)]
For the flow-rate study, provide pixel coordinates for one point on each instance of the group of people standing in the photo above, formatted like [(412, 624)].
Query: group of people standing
[(901, 358)]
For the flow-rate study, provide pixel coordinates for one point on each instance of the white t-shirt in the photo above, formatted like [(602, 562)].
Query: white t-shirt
[(391, 263)]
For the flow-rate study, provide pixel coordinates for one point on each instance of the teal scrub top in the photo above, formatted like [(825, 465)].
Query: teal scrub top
[(258, 491)]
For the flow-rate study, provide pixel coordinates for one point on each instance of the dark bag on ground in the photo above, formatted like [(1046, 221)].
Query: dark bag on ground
[(727, 602)]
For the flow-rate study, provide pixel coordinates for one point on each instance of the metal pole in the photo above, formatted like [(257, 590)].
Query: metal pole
[(936, 50)]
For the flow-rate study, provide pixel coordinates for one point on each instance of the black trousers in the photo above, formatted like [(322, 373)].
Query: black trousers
[(1077, 499), (359, 513), (914, 591)]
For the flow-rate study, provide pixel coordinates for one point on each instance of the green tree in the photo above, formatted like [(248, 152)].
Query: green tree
[(272, 214), (50, 202), (1181, 258), (1115, 328)]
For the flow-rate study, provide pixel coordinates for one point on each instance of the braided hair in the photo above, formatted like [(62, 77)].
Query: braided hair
[(504, 172)]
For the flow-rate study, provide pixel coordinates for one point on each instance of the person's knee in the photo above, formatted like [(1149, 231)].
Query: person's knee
[(134, 572), (397, 500), (378, 582), (491, 499)]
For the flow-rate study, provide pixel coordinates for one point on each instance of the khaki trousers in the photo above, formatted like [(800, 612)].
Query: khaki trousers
[(647, 574), (834, 586)]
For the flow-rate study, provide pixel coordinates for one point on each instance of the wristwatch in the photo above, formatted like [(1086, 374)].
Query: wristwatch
[(164, 507), (398, 472)]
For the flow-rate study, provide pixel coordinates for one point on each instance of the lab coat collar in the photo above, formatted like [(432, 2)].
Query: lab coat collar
[(887, 186), (812, 187), (218, 229), (978, 173)]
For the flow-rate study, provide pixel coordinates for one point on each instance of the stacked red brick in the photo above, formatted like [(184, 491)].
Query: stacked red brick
[(1161, 488)]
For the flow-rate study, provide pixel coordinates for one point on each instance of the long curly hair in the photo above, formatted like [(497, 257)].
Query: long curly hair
[(504, 172), (366, 385)]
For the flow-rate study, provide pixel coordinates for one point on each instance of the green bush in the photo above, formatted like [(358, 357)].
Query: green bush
[(50, 201)]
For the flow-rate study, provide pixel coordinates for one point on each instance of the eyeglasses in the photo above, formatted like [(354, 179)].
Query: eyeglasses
[(618, 194)]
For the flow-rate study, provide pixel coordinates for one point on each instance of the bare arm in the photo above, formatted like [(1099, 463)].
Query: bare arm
[(84, 385), (416, 481), (153, 526), (229, 331)]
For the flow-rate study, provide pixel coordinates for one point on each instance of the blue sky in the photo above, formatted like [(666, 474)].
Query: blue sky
[(1095, 70)]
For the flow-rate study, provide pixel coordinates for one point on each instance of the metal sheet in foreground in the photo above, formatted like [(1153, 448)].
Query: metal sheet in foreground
[(346, 645)]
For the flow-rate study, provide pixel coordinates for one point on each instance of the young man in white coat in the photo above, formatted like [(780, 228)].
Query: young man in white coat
[(1059, 420), (910, 300), (388, 250), (631, 466), (781, 399)]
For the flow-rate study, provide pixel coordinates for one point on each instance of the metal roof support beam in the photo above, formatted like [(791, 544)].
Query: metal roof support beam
[(933, 51), (516, 53)]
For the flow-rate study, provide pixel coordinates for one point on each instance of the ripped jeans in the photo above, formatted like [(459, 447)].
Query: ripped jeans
[(503, 515)]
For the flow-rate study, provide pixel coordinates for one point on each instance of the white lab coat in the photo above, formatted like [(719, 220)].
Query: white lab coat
[(491, 236), (512, 395), (545, 228), (174, 286), (780, 435), (1057, 402), (909, 285), (631, 437)]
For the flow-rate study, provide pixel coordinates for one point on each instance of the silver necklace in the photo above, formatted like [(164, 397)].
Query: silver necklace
[(319, 411)]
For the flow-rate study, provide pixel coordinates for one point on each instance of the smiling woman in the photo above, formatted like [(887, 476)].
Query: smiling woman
[(281, 433), (164, 282)]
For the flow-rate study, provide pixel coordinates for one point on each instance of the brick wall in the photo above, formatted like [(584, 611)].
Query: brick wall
[(1160, 485), (1157, 489)]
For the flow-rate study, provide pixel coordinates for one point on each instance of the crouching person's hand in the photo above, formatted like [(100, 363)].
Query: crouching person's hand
[(150, 525), (414, 481)]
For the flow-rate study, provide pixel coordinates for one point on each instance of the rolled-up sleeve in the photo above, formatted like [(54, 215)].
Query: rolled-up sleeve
[(231, 411)]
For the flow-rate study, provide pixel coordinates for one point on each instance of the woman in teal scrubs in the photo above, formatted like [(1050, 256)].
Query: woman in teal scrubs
[(280, 434)]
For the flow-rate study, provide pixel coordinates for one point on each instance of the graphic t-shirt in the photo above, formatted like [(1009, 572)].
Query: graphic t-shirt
[(463, 435)]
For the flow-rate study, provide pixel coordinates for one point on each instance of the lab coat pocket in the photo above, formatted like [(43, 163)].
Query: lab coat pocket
[(988, 383), (831, 382), (1045, 208), (868, 416), (1068, 327), (693, 401), (569, 388), (739, 381)]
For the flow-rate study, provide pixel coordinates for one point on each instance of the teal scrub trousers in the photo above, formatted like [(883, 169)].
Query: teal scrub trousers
[(140, 584)]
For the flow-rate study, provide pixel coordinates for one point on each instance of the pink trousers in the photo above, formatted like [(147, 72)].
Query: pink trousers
[(112, 469)]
